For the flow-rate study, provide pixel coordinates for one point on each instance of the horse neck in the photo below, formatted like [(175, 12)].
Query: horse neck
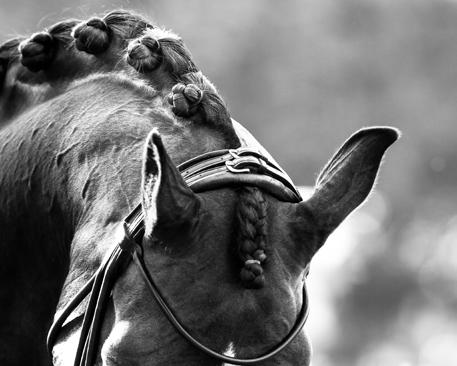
[(71, 170), (33, 211), (39, 144), (35, 226)]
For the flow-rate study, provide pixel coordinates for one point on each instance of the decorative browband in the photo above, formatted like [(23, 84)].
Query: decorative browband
[(228, 168), (238, 166)]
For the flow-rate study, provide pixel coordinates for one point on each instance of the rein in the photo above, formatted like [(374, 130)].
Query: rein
[(213, 170)]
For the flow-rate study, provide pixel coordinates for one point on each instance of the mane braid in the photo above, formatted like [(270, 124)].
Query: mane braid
[(119, 41), (251, 236)]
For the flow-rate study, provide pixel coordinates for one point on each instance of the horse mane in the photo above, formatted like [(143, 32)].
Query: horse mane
[(119, 41)]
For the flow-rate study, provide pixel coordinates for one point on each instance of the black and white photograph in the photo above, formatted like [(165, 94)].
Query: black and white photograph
[(214, 183)]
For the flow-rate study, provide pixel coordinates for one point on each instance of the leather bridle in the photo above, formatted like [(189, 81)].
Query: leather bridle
[(213, 170)]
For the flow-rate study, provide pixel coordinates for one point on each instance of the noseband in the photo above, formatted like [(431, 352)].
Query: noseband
[(213, 170)]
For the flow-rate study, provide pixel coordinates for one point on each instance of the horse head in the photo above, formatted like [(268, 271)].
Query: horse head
[(231, 261)]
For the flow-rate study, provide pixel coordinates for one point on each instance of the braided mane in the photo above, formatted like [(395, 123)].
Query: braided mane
[(46, 64), (251, 236)]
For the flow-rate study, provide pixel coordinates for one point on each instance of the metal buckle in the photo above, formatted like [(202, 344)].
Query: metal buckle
[(249, 159)]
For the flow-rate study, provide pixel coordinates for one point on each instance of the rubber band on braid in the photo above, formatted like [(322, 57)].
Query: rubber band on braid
[(251, 237)]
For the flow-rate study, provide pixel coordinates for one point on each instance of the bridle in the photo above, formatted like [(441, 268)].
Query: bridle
[(209, 171), (213, 170)]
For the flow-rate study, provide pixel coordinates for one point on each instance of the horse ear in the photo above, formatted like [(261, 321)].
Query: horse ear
[(166, 199), (349, 176)]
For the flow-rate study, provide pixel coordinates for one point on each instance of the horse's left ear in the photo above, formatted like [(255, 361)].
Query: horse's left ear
[(167, 200), (349, 176)]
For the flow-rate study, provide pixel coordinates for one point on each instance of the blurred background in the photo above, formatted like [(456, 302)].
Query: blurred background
[(304, 75)]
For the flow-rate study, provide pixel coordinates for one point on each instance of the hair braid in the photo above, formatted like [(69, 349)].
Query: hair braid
[(251, 219), (39, 51), (92, 36), (160, 48), (201, 99), (118, 41), (165, 62), (95, 35)]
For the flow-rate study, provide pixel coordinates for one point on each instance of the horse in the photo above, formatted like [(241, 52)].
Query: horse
[(104, 134)]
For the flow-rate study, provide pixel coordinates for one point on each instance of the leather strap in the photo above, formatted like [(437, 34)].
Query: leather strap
[(235, 167), (297, 327)]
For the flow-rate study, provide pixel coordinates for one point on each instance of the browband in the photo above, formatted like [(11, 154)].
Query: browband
[(234, 167), (225, 168)]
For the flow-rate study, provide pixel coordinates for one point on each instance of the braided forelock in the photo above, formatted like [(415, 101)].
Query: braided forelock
[(251, 236)]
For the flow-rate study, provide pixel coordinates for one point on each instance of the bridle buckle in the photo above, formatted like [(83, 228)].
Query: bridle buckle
[(238, 160)]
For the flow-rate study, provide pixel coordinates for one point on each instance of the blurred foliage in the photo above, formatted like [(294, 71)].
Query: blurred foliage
[(302, 76)]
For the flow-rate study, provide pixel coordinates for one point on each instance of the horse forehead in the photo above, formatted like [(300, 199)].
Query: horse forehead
[(224, 201), (220, 199), (221, 215)]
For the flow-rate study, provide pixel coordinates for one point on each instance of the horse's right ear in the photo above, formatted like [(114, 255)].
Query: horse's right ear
[(349, 176), (167, 200)]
